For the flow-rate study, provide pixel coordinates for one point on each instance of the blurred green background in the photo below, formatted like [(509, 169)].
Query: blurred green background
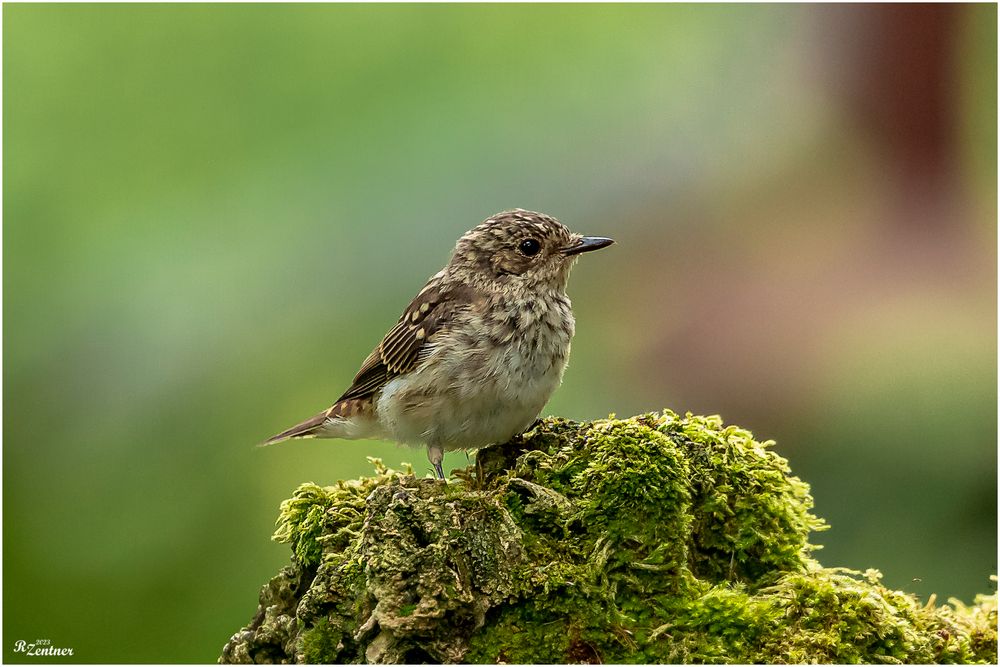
[(212, 213)]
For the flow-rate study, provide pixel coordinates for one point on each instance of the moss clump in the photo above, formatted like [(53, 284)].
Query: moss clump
[(651, 539)]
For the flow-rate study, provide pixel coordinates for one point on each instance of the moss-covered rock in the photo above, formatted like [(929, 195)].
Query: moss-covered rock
[(652, 539)]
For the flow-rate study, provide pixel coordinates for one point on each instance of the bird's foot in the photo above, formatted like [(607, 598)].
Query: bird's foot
[(436, 456)]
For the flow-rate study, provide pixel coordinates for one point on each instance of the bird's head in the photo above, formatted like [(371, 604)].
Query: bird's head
[(521, 248)]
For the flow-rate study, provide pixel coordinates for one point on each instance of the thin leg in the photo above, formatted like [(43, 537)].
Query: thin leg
[(436, 455)]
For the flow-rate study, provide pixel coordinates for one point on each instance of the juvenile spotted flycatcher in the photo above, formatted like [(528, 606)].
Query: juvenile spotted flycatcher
[(477, 353)]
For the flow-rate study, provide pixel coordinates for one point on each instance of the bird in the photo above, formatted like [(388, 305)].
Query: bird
[(479, 350)]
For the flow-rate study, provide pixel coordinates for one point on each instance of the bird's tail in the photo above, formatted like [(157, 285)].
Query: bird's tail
[(347, 418), (307, 429)]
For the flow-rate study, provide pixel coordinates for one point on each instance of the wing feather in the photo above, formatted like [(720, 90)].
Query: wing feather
[(432, 311)]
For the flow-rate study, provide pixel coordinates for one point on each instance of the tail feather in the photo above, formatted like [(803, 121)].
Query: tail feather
[(306, 429), (342, 420), (331, 422)]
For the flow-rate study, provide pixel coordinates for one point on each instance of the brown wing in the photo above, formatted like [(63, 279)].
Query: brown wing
[(430, 312)]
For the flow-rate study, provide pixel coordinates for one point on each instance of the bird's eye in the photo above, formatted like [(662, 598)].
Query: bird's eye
[(529, 247)]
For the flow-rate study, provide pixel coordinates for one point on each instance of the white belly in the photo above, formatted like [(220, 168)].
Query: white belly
[(473, 398)]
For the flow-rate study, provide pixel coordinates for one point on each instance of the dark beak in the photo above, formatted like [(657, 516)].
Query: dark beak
[(586, 244)]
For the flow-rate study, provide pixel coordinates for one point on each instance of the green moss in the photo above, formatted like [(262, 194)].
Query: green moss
[(658, 538), (332, 515)]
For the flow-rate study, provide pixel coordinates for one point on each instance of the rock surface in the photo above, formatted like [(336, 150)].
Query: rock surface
[(658, 538)]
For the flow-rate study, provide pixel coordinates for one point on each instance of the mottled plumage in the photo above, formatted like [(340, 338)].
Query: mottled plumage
[(478, 352)]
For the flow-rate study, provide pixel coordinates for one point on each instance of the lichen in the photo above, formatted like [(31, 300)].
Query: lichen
[(658, 538)]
